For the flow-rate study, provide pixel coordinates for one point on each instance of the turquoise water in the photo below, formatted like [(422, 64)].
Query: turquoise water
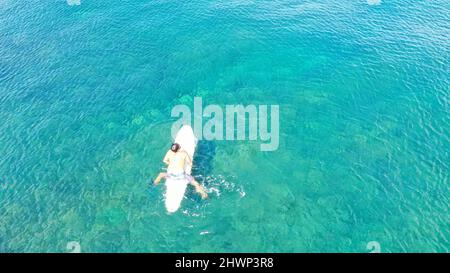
[(85, 98)]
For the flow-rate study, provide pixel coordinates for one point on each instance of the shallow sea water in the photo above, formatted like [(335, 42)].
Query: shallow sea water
[(363, 88)]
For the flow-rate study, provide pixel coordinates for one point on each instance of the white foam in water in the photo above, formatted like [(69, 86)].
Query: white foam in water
[(373, 2), (217, 184), (241, 192), (73, 2), (215, 190)]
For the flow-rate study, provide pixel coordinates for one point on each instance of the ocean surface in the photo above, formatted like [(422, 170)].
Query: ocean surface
[(87, 88)]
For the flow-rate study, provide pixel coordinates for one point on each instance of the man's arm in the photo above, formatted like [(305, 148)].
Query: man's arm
[(188, 159), (167, 157)]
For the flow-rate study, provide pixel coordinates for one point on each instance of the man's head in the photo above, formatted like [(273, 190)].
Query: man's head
[(175, 147)]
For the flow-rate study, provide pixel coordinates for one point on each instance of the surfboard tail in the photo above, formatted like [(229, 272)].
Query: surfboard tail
[(175, 190)]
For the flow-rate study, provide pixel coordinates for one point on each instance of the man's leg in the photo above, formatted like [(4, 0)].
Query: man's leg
[(158, 179), (198, 188)]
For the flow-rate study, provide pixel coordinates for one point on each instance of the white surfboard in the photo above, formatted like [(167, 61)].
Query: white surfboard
[(175, 188)]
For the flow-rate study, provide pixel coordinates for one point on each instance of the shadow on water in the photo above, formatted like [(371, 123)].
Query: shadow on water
[(203, 159)]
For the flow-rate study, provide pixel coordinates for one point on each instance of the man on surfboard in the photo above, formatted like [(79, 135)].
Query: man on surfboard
[(176, 160)]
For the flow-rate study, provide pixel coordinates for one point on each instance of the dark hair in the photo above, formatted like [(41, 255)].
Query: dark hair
[(175, 147)]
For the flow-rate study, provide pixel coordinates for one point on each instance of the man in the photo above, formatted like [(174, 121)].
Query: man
[(176, 160)]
